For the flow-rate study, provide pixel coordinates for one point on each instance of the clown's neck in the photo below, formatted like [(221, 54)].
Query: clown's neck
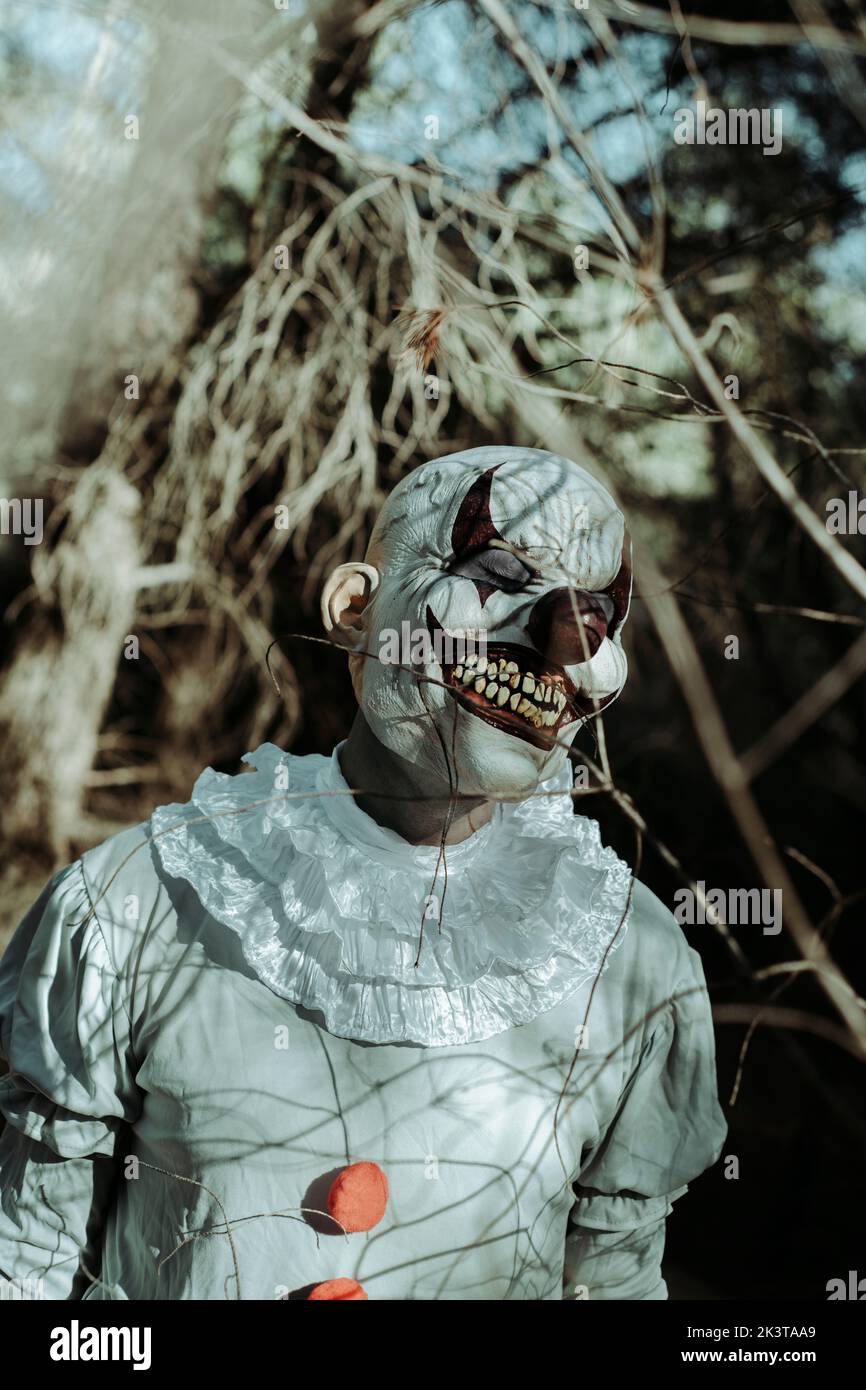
[(405, 798)]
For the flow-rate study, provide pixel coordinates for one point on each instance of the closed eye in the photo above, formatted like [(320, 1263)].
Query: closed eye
[(496, 567)]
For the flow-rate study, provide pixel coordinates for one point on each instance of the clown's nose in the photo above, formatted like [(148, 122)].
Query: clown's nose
[(567, 626)]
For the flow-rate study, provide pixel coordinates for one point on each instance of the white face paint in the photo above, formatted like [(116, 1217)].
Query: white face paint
[(528, 550)]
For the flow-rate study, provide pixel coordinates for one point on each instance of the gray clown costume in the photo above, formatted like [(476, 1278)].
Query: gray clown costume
[(209, 1017)]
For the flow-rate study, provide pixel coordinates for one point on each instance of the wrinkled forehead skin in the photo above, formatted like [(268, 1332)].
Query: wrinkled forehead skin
[(545, 505)]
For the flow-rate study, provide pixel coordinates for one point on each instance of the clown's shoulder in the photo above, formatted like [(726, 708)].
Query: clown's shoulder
[(89, 919), (655, 961), (128, 896), (137, 881)]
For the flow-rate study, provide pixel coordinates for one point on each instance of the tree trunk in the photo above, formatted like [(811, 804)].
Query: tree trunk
[(62, 674)]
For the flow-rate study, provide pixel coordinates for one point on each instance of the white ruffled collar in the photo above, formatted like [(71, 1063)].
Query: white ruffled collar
[(328, 905)]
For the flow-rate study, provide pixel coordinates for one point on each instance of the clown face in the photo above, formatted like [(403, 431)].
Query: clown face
[(521, 549)]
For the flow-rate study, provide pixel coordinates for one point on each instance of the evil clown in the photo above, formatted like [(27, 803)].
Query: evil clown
[(390, 1023)]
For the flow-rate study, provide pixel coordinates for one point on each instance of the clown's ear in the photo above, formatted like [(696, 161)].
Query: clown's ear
[(348, 590)]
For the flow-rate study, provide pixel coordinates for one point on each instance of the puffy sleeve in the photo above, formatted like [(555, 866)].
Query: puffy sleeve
[(667, 1129), (68, 1089)]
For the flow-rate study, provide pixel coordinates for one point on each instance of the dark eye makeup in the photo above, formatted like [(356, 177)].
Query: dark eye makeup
[(501, 569), (497, 567), (606, 606)]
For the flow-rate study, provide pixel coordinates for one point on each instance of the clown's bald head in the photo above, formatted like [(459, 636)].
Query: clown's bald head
[(521, 549)]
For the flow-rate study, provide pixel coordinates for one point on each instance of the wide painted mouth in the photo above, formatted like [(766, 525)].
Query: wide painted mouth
[(512, 687)]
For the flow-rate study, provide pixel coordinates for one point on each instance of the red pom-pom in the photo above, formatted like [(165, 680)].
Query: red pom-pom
[(346, 1290), (358, 1196)]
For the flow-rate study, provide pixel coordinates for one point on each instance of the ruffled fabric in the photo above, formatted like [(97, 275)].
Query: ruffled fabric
[(338, 914)]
